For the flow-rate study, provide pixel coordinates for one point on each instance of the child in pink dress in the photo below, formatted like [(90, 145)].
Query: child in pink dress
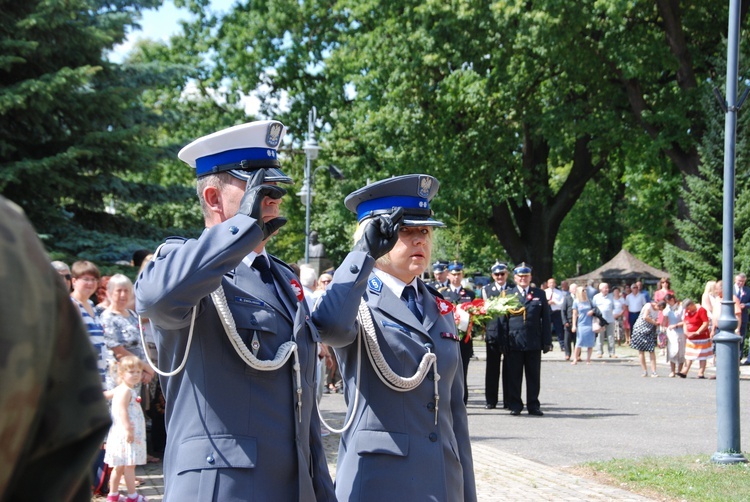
[(126, 443)]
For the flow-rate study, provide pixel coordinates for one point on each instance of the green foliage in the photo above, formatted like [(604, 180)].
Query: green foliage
[(513, 106), (703, 231), (74, 132)]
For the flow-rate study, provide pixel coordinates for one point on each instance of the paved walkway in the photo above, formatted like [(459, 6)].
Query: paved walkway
[(597, 412)]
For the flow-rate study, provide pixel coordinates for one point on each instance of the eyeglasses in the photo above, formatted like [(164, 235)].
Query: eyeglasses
[(87, 279), (325, 281), (67, 277), (498, 273)]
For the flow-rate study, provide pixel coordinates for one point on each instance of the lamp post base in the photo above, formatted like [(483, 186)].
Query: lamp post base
[(728, 458)]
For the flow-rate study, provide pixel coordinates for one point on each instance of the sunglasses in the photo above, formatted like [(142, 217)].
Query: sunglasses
[(498, 273)]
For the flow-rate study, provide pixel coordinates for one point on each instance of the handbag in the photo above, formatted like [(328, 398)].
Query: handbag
[(661, 339), (597, 326)]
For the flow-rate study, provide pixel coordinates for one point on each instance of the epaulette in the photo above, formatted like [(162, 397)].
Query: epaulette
[(169, 245), (434, 291), (444, 288)]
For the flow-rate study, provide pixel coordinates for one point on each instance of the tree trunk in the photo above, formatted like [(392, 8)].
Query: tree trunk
[(528, 229)]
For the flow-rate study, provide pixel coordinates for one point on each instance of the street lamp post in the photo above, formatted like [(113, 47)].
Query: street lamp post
[(727, 342), (311, 148)]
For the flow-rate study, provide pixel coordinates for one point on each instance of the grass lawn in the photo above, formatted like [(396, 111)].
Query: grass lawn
[(689, 478)]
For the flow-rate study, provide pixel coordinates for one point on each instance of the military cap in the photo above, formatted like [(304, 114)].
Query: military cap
[(522, 269), (456, 266), (240, 150), (413, 192), (439, 266), (498, 267)]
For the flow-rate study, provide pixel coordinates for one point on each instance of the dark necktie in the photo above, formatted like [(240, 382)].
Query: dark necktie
[(261, 265), (410, 296)]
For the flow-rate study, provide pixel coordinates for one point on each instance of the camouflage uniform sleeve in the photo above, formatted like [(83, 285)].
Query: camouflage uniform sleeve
[(53, 417)]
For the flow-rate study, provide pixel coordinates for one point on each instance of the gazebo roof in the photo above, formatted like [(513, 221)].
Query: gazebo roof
[(623, 267)]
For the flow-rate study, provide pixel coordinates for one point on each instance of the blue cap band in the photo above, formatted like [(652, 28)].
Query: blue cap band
[(367, 207), (522, 271), (206, 165)]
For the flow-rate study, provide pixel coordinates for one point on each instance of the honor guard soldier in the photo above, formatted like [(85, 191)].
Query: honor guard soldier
[(495, 338), (529, 334), (406, 436), (454, 292), (236, 348)]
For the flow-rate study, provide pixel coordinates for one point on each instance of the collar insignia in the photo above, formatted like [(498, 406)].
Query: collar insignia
[(375, 284)]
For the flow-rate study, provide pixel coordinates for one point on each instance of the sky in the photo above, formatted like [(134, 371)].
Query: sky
[(161, 24)]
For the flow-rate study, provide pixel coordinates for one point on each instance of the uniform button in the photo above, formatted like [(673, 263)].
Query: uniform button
[(433, 437), (431, 406), (210, 459), (354, 269), (234, 229), (428, 346), (253, 320)]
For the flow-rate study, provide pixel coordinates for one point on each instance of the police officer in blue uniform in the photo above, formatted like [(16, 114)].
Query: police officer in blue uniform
[(495, 338), (455, 293), (236, 346), (408, 435), (440, 274), (529, 334)]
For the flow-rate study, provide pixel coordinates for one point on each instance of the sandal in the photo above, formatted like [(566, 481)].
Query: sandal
[(671, 375), (682, 375)]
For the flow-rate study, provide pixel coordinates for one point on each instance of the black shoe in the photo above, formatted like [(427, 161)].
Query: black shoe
[(506, 407), (536, 413), (489, 406), (515, 413)]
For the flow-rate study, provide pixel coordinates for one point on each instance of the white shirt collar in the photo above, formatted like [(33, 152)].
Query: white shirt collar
[(397, 285), (250, 258)]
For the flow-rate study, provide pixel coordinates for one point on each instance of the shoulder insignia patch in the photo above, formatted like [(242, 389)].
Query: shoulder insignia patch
[(298, 291), (444, 306)]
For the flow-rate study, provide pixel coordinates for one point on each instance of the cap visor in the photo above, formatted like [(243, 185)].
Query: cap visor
[(273, 175), (421, 223)]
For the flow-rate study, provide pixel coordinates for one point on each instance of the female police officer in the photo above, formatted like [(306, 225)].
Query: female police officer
[(408, 437)]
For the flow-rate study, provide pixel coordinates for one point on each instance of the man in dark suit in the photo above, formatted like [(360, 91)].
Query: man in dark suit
[(458, 294), (742, 293), (529, 334), (495, 338)]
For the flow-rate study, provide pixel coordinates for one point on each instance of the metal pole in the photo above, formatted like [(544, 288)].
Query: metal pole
[(727, 342), (306, 185)]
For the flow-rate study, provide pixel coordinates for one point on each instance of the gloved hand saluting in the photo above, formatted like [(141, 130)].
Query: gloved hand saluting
[(380, 234), (252, 202)]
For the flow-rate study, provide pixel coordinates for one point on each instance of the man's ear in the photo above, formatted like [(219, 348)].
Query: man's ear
[(213, 200), (212, 197)]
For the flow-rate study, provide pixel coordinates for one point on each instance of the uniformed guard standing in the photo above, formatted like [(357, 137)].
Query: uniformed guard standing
[(495, 339), (455, 293), (440, 274), (529, 334), (241, 414), (408, 437)]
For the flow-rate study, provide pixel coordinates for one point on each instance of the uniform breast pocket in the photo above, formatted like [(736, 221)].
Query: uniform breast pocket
[(257, 326)]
